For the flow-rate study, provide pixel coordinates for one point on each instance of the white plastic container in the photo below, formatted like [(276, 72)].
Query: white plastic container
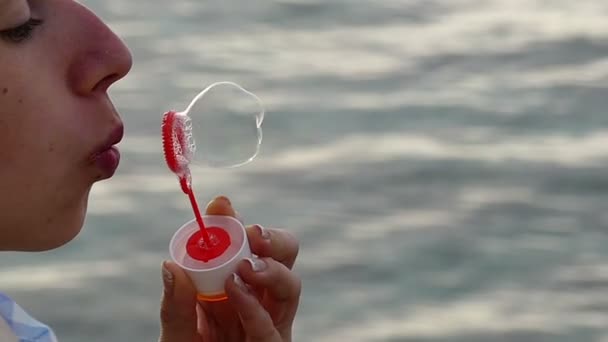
[(210, 277)]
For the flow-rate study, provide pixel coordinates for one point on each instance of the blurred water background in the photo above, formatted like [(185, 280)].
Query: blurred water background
[(442, 162)]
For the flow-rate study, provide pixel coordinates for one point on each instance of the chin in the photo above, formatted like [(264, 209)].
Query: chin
[(60, 230), (59, 234), (68, 233)]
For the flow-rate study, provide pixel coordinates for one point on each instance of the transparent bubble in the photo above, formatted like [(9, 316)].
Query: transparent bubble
[(223, 126)]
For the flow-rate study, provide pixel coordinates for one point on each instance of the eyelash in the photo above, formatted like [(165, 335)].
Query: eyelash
[(20, 33)]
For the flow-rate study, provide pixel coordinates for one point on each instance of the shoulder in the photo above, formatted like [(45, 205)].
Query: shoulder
[(21, 324)]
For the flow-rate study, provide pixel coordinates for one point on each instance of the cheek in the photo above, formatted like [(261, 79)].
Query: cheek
[(12, 141), (35, 122), (33, 105), (46, 133), (39, 180), (35, 145)]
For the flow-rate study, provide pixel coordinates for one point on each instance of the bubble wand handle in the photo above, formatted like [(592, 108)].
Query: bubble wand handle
[(197, 215)]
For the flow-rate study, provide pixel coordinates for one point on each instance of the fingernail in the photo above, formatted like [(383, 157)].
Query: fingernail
[(223, 198), (239, 282), (263, 232), (168, 280), (257, 265)]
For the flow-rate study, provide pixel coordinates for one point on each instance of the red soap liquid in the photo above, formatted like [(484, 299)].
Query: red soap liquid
[(198, 248)]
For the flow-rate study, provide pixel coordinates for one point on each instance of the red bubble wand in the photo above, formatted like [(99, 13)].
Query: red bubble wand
[(178, 146)]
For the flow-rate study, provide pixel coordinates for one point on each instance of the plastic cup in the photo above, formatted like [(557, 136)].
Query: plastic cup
[(209, 277)]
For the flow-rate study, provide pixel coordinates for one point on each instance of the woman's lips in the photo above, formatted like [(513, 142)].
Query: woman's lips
[(108, 161), (107, 156)]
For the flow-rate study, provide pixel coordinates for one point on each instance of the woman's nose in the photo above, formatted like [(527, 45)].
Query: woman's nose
[(102, 58)]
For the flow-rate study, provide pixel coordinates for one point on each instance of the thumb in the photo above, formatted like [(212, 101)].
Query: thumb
[(220, 206), (178, 307)]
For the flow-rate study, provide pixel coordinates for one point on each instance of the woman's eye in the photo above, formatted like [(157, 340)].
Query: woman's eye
[(20, 33)]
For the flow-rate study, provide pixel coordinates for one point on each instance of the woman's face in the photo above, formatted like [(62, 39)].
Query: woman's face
[(57, 60)]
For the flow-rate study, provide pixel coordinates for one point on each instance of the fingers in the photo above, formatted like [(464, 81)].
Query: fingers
[(273, 243), (178, 306), (255, 320), (281, 284)]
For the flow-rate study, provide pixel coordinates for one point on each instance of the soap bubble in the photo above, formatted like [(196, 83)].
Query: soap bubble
[(224, 126)]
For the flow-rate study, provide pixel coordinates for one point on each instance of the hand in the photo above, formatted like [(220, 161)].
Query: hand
[(261, 304)]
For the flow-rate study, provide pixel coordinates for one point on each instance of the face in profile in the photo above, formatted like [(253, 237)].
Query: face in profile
[(57, 123)]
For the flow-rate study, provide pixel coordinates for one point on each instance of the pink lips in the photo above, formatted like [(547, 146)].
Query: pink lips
[(107, 156)]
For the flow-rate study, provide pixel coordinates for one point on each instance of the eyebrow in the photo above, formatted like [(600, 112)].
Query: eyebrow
[(11, 12)]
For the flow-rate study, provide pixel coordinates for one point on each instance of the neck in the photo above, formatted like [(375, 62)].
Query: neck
[(5, 332)]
